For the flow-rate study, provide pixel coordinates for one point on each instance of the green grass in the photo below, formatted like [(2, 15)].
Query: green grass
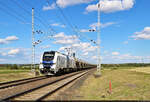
[(12, 71), (9, 75), (126, 85)]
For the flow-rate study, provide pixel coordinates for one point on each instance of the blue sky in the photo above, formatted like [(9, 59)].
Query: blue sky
[(125, 29)]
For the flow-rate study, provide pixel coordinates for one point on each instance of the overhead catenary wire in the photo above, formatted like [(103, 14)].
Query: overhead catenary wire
[(46, 26), (59, 17), (77, 32), (41, 21), (13, 13), (70, 25), (75, 29)]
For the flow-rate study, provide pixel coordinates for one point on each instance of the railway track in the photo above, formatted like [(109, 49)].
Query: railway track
[(41, 91), (19, 82)]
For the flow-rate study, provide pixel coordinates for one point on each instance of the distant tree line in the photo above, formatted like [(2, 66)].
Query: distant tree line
[(17, 66), (126, 65), (28, 66)]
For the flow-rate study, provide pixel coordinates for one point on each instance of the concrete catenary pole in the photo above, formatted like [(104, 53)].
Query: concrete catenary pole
[(33, 43), (98, 41)]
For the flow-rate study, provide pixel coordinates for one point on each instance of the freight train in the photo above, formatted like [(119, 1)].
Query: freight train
[(53, 62)]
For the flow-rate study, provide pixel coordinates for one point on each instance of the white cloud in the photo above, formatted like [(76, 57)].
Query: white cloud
[(8, 39), (84, 30), (61, 38), (145, 34), (65, 3), (53, 6), (62, 48), (94, 57), (13, 52), (45, 47), (105, 52), (93, 26), (90, 48), (63, 41), (103, 25), (125, 42), (59, 35), (2, 60), (11, 38), (127, 57), (3, 53), (108, 6), (85, 54), (82, 49), (115, 53), (3, 41), (58, 25)]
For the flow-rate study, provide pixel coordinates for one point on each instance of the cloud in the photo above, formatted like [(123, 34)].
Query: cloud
[(3, 41), (45, 47), (103, 25), (11, 38), (84, 30), (3, 53), (85, 54), (105, 52), (8, 39), (94, 57), (65, 3), (115, 53), (51, 7), (2, 60), (61, 38), (143, 35), (93, 26), (58, 25), (16, 55), (83, 50), (127, 57), (13, 52), (109, 6), (125, 42)]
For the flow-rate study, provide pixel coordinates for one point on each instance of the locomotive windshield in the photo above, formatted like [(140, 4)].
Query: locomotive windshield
[(48, 56)]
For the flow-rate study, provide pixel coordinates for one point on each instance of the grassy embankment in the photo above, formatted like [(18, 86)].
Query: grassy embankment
[(7, 74), (127, 84)]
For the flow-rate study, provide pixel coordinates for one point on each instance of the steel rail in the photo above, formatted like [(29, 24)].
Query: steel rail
[(19, 82), (38, 87), (55, 90)]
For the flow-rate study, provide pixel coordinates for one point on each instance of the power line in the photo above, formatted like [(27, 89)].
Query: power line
[(22, 19), (36, 17), (59, 17), (77, 32)]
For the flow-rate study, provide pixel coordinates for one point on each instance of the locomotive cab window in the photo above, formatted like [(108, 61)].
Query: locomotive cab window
[(48, 56)]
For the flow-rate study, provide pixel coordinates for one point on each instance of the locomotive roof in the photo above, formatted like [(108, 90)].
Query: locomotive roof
[(56, 51)]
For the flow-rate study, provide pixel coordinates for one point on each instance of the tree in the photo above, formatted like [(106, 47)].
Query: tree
[(14, 66)]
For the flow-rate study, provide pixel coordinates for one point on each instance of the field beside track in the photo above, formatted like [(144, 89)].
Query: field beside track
[(126, 84), (141, 69), (10, 75)]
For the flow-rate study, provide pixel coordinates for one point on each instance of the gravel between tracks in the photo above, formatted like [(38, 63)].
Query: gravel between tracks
[(35, 95), (4, 93), (69, 91)]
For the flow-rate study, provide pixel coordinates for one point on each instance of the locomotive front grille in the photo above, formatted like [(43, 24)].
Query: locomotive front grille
[(48, 65)]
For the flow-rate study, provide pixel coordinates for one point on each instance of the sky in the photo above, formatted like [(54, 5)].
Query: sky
[(60, 24)]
